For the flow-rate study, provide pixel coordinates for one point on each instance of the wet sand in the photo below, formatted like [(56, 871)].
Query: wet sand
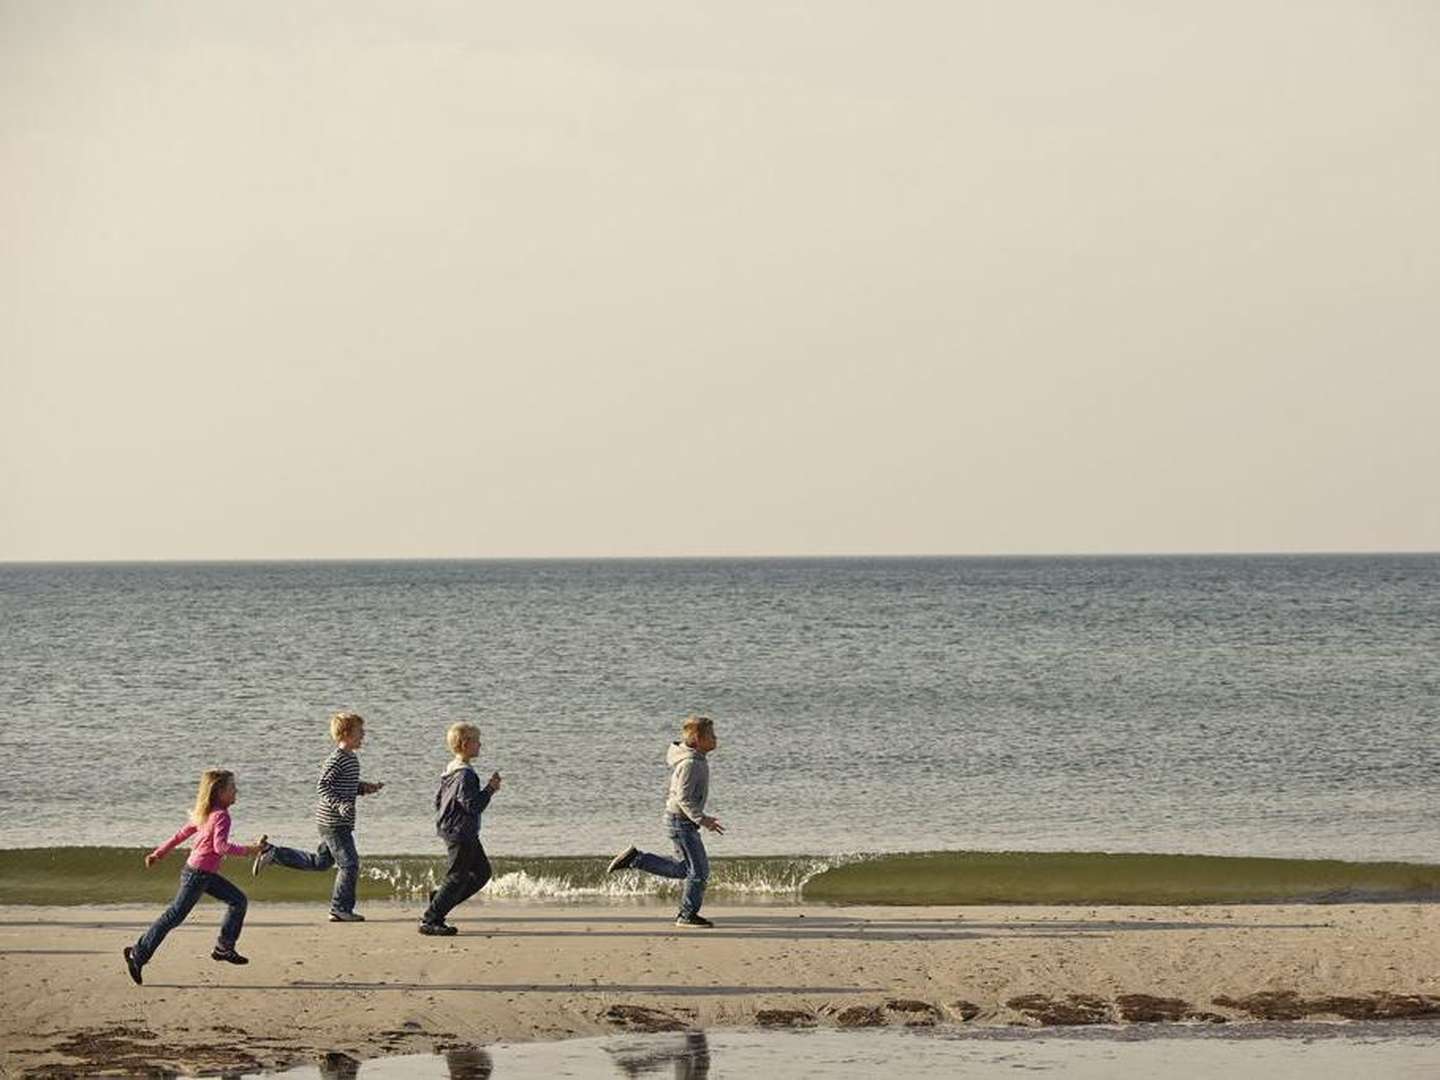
[(552, 971)]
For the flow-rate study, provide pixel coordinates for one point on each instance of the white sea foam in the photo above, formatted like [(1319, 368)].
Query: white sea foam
[(412, 877)]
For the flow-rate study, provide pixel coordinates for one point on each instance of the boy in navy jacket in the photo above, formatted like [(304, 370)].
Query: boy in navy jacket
[(458, 806)]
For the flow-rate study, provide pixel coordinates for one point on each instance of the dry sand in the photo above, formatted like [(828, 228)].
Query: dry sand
[(552, 971)]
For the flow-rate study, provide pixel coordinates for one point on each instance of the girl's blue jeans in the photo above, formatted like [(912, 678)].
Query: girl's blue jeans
[(193, 885), (690, 862), (336, 848)]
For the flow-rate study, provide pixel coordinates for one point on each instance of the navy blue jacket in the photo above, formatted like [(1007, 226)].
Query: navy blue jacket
[(458, 805)]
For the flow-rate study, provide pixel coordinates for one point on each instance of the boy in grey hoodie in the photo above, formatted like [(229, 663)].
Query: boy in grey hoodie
[(684, 818), (458, 806)]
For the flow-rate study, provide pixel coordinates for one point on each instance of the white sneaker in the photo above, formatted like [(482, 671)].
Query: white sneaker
[(264, 859), (346, 916)]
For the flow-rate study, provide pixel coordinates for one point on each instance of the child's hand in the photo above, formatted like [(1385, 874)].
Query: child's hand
[(370, 789), (494, 784), (713, 824), (150, 860)]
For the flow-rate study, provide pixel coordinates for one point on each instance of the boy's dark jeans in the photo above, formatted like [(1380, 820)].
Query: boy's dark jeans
[(193, 885), (336, 848), (468, 872)]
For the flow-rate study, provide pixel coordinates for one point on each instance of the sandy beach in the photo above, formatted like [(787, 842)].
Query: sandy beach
[(556, 971)]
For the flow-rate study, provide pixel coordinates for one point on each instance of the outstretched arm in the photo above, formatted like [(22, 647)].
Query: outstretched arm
[(169, 845)]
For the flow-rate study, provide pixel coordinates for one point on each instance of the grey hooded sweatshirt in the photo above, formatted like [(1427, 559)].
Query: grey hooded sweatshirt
[(689, 782)]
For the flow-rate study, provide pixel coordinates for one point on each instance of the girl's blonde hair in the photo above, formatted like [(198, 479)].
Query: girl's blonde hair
[(458, 733), (212, 782), (696, 726)]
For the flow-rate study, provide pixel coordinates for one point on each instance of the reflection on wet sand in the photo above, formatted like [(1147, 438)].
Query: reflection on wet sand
[(465, 1064), (473, 1064), (690, 1055), (1290, 1051), (339, 1067)]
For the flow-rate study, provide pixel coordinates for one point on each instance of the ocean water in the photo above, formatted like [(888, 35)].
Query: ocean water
[(1282, 706)]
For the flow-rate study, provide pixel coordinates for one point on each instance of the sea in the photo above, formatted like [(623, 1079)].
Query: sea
[(1269, 705)]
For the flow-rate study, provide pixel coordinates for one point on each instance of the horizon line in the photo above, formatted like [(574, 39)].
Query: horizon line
[(853, 557)]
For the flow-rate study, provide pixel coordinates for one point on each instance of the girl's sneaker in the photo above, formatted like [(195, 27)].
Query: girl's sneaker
[(346, 916), (693, 920), (131, 965), (438, 929), (228, 955)]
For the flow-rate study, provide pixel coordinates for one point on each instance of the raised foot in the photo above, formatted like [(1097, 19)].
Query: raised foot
[(624, 860)]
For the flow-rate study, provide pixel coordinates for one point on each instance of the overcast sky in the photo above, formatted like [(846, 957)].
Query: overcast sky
[(667, 278)]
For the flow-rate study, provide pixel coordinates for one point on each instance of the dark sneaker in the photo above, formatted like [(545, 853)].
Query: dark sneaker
[(693, 920), (228, 955), (624, 860), (131, 965), (437, 929), (346, 916)]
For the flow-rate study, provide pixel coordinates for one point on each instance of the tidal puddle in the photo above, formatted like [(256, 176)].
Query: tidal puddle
[(1292, 1052)]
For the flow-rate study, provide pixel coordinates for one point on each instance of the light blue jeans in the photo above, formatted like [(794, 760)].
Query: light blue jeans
[(336, 848), (690, 862), (193, 885)]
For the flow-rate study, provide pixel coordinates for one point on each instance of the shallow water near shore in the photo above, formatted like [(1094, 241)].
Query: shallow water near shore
[(69, 875), (1299, 1052)]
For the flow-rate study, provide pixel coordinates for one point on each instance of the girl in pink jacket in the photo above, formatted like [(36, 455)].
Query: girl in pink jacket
[(210, 825)]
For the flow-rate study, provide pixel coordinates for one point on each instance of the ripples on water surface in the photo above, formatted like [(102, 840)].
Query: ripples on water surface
[(1266, 705)]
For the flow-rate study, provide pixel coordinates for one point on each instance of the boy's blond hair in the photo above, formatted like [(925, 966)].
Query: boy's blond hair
[(456, 735), (696, 726), (345, 723), (212, 782)]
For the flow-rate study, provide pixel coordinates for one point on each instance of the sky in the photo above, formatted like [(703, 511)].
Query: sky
[(432, 279)]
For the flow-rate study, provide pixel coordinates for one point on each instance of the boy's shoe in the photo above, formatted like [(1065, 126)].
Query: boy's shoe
[(624, 860), (346, 916), (131, 965), (437, 929), (227, 954), (264, 859), (693, 920)]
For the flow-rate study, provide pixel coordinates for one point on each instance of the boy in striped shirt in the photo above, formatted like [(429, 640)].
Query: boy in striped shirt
[(338, 788)]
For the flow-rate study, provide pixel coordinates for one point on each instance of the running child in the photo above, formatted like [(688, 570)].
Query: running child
[(684, 818), (338, 788), (210, 825), (458, 806)]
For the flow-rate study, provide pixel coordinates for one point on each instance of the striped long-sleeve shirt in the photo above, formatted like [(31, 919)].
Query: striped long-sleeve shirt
[(338, 786)]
